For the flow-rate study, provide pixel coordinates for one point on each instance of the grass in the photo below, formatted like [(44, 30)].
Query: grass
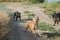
[(26, 3), (46, 27), (29, 14), (51, 7)]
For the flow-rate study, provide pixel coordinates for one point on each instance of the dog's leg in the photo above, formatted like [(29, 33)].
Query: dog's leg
[(16, 18), (33, 31), (39, 33), (55, 22), (26, 29), (26, 26), (20, 18)]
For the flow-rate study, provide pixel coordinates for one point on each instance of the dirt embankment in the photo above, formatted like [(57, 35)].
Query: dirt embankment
[(4, 24)]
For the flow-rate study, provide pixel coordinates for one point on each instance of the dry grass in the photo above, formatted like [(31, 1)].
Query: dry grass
[(4, 23), (4, 18), (58, 10), (55, 38)]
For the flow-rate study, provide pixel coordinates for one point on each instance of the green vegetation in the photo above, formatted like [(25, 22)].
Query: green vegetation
[(34, 1), (51, 7), (37, 1), (29, 14), (46, 27)]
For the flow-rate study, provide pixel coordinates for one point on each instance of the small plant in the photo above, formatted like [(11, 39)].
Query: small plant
[(46, 27), (36, 1), (29, 14)]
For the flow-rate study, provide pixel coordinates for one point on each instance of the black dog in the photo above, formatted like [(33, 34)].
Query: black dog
[(56, 17), (17, 15)]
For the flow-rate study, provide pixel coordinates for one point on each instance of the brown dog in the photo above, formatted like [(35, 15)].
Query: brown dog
[(32, 24), (36, 19)]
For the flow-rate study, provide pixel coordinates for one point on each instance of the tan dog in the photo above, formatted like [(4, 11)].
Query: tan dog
[(36, 19), (32, 24)]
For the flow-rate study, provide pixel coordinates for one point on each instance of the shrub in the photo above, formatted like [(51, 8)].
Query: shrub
[(46, 27), (29, 14), (37, 1)]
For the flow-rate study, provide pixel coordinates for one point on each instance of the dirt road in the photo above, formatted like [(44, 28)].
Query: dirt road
[(18, 32)]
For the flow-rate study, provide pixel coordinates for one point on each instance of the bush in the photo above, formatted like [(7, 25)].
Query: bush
[(46, 27), (29, 14), (37, 1)]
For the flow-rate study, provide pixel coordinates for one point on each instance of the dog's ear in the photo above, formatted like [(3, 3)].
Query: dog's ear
[(39, 20)]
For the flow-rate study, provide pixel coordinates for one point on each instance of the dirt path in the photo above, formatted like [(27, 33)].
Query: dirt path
[(18, 32)]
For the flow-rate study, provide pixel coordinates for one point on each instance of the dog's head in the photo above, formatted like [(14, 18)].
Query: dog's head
[(35, 18)]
